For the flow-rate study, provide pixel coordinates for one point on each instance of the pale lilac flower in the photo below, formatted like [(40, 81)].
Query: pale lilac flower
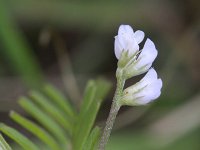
[(143, 92), (144, 61), (132, 60), (147, 56), (127, 40)]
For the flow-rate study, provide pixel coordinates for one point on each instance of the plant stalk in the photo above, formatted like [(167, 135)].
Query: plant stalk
[(113, 111)]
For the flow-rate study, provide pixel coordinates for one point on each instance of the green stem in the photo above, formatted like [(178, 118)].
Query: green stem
[(113, 111)]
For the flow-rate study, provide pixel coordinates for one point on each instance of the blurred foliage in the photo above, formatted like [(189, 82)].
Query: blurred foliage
[(32, 34), (17, 49), (59, 125)]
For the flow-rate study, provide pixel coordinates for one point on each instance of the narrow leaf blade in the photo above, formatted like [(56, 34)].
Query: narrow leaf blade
[(92, 139), (52, 110), (95, 92), (23, 141), (59, 99), (3, 144), (103, 87), (35, 130), (44, 119), (86, 123), (89, 94)]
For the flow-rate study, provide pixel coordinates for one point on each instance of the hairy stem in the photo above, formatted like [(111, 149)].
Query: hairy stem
[(113, 111)]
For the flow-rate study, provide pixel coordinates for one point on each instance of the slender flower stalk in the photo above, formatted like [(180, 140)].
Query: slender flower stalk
[(113, 112), (132, 62)]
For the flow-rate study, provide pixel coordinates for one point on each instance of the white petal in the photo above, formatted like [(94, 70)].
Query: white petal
[(152, 91), (151, 76), (125, 40), (139, 36), (148, 54), (145, 91), (125, 29), (149, 93), (132, 47), (118, 48)]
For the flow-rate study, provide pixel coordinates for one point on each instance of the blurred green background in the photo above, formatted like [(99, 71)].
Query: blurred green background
[(68, 42)]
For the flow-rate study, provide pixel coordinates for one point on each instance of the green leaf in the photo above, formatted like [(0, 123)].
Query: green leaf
[(44, 119), (94, 93), (85, 121), (3, 144), (23, 141), (60, 100), (93, 139), (89, 94), (35, 130), (103, 88), (95, 90), (85, 124), (52, 110)]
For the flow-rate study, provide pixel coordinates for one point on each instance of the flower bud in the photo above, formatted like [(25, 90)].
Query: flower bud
[(143, 92)]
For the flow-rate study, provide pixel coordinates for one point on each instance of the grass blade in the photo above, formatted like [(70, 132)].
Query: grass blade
[(20, 139), (35, 130), (17, 49)]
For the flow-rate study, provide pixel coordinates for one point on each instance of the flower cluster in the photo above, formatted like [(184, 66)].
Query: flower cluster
[(132, 62)]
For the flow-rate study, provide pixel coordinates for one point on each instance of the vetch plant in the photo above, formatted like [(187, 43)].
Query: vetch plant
[(132, 62), (57, 125)]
